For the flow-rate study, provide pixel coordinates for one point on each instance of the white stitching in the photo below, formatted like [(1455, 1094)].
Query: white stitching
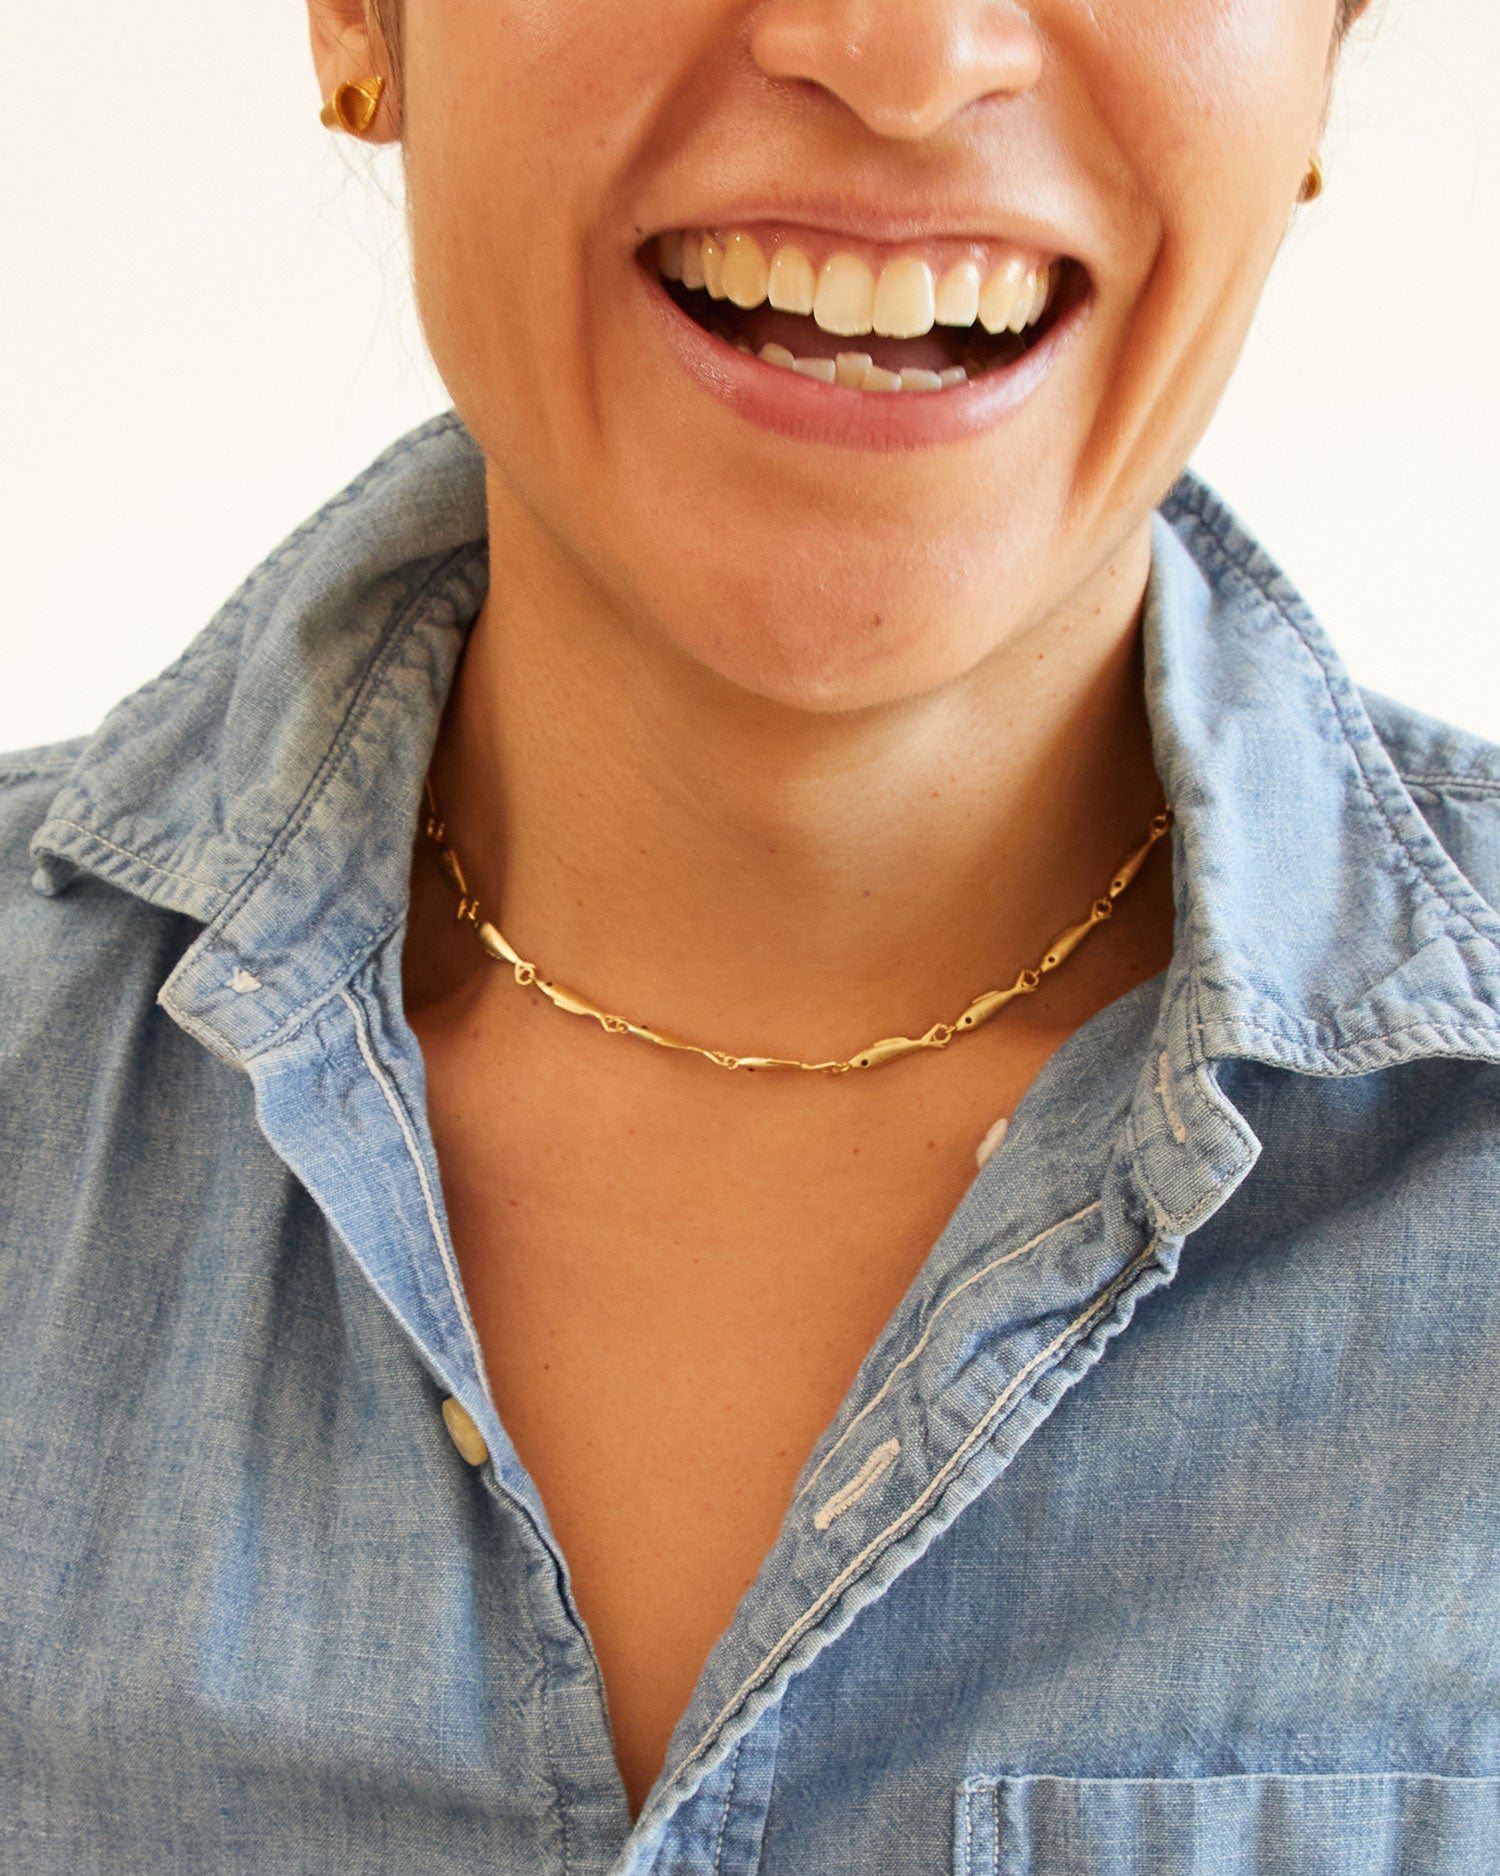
[(1246, 558), (61, 820), (734, 1766), (1169, 1106), (1439, 782), (1340, 1060), (875, 1467), (975, 1434), (381, 1081), (906, 1360)]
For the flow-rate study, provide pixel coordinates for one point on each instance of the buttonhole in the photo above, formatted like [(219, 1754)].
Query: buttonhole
[(1169, 1106), (875, 1467), (991, 1140)]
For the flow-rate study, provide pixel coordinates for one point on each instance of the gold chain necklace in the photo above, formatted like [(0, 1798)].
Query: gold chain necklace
[(889, 1049)]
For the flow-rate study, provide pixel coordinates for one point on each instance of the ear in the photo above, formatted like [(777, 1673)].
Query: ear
[(347, 47)]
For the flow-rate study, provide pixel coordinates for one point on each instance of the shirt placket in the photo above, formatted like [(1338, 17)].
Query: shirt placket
[(939, 1411), (342, 1103)]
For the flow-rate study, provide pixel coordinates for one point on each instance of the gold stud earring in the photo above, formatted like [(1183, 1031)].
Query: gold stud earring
[(352, 107), (1312, 182)]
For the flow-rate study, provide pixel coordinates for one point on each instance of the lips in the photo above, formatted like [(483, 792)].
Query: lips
[(855, 408), (928, 318)]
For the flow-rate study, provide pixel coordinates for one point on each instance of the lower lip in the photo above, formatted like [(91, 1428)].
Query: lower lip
[(777, 398)]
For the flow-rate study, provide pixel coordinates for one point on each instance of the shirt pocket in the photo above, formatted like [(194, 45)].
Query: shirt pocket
[(1383, 1824)]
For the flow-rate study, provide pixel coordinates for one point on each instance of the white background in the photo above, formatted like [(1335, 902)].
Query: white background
[(205, 330)]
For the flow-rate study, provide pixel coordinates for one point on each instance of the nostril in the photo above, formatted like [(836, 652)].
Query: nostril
[(906, 71)]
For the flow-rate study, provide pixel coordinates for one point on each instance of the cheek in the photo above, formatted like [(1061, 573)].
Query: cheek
[(484, 149), (1204, 93), (1214, 107), (526, 126), (534, 134), (524, 114)]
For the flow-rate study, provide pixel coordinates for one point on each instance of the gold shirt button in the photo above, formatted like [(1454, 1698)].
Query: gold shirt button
[(464, 1434)]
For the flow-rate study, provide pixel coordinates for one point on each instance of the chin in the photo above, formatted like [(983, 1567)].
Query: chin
[(862, 656)]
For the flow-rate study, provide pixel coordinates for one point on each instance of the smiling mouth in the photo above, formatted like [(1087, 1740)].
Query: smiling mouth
[(873, 321)]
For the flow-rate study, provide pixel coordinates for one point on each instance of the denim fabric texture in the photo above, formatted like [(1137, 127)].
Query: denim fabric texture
[(1157, 1535)]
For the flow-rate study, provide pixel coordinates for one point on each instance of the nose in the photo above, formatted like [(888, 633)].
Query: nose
[(906, 68)]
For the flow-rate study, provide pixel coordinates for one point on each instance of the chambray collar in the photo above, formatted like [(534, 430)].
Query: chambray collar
[(1325, 928), (268, 784)]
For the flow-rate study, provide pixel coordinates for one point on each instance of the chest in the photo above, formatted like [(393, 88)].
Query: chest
[(664, 1374), (674, 1286)]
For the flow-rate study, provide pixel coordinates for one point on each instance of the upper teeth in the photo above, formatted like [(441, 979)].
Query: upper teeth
[(846, 296)]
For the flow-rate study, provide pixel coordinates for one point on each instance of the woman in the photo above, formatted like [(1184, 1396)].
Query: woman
[(446, 1429)]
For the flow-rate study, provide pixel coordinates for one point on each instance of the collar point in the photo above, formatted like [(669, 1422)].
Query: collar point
[(1439, 1031)]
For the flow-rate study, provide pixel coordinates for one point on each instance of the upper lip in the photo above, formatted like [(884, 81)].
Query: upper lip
[(883, 224)]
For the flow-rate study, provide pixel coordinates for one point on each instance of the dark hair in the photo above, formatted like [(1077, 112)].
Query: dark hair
[(388, 19)]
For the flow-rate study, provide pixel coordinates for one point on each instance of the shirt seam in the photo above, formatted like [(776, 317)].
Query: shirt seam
[(554, 1764), (981, 1430), (16, 774), (237, 607), (261, 871), (1460, 1031), (393, 1101), (1236, 558), (1439, 783), (127, 853), (734, 1767), (1009, 1257), (334, 756), (287, 1028), (988, 1781)]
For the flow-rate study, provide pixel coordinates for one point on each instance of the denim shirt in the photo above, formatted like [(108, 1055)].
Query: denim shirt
[(1157, 1535)]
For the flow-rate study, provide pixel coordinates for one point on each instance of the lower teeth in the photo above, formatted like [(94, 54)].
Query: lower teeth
[(857, 371)]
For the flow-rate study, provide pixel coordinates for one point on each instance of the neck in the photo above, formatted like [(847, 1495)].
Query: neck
[(775, 880)]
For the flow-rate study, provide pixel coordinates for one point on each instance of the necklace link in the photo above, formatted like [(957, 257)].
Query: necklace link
[(889, 1049)]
